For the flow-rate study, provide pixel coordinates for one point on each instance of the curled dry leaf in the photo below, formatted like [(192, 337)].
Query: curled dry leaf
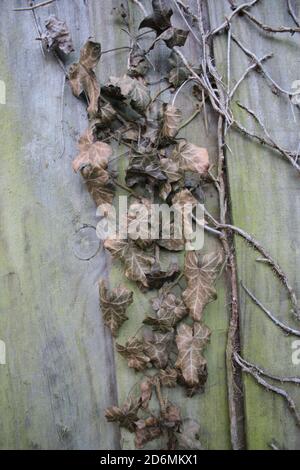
[(200, 272), (168, 377), (82, 76), (190, 157), (137, 263), (144, 170), (171, 417), (157, 276), (174, 37), (146, 391), (190, 343), (146, 430), (171, 121), (92, 154), (138, 65), (92, 162), (133, 351), (160, 19), (157, 349), (114, 305), (126, 416), (128, 89), (178, 73), (57, 36), (169, 311)]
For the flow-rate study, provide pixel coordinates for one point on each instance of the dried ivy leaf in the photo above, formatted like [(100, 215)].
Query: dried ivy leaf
[(128, 89), (82, 76), (133, 351), (171, 417), (178, 73), (57, 36), (200, 273), (168, 377), (92, 162), (146, 430), (157, 349), (114, 305), (169, 311), (160, 19), (146, 391), (174, 37), (188, 437), (126, 416), (137, 263), (140, 97), (171, 168), (190, 157), (138, 65), (144, 170), (92, 154), (171, 121), (157, 276), (190, 342)]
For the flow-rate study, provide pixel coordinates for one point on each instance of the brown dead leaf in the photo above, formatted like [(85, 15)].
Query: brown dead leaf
[(160, 18), (200, 273), (169, 311), (114, 305), (126, 416), (82, 76), (146, 430), (171, 417), (190, 343), (157, 349), (190, 157), (57, 36), (171, 121), (133, 351), (94, 154), (137, 263), (168, 377), (146, 391)]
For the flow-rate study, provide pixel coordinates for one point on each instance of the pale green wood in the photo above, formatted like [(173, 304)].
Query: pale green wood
[(265, 201), (59, 376)]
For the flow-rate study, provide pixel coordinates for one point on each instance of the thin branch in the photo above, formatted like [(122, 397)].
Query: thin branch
[(285, 153), (33, 7), (225, 25), (292, 13), (262, 69), (246, 73), (285, 328), (258, 247), (281, 379), (249, 370), (272, 29), (186, 22)]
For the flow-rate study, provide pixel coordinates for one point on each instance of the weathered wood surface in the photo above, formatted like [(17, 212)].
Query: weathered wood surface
[(59, 376), (265, 198), (60, 373)]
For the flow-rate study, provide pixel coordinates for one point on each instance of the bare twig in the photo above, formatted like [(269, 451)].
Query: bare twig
[(260, 249), (225, 25), (285, 328), (271, 29), (270, 142), (261, 68), (247, 71), (186, 22), (33, 7), (252, 371), (281, 379)]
